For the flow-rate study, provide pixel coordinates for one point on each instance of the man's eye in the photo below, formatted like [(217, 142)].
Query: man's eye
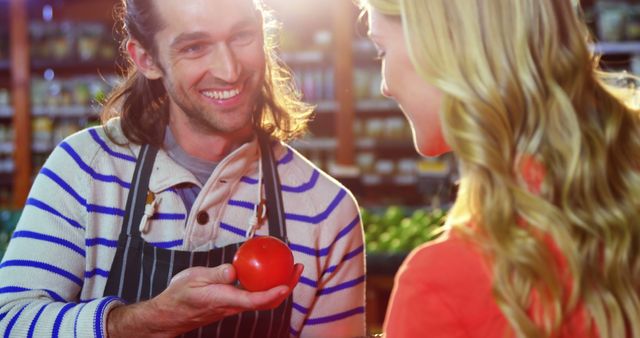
[(192, 48), (244, 37)]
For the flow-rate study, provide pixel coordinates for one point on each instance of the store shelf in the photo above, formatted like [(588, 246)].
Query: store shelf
[(384, 143), (6, 112), (324, 107), (325, 143), (6, 179), (610, 48), (314, 144), (396, 180), (41, 147), (369, 106), (65, 111), (376, 105), (304, 57), (383, 263), (74, 66), (434, 168), (6, 148)]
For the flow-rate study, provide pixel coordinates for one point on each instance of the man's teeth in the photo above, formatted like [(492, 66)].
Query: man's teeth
[(222, 95)]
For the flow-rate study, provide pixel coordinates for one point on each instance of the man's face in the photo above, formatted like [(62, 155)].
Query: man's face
[(213, 63)]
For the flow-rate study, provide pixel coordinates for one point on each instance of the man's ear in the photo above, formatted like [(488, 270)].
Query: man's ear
[(143, 60)]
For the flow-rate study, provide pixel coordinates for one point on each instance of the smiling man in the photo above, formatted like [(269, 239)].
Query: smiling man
[(130, 226)]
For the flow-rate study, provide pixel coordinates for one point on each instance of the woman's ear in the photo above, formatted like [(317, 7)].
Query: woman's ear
[(143, 60)]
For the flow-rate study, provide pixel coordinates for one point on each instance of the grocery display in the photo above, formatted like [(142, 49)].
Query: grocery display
[(390, 234), (8, 221), (388, 167), (72, 65), (396, 230), (71, 42), (62, 106), (7, 163), (615, 27), (4, 48)]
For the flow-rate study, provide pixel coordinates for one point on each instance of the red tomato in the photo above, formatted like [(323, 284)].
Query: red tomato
[(262, 263)]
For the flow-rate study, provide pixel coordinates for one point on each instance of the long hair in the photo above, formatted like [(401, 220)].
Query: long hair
[(142, 104), (521, 85)]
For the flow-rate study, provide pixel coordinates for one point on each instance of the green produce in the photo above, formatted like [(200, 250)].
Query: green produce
[(8, 220), (397, 230)]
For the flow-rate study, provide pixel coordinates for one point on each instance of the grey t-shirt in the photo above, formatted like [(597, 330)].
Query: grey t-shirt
[(201, 169)]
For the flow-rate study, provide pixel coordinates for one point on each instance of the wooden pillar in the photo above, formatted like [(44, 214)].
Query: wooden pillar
[(20, 77), (343, 30)]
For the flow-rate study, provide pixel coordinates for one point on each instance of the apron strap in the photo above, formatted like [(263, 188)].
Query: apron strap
[(126, 261), (138, 192), (137, 197), (275, 206)]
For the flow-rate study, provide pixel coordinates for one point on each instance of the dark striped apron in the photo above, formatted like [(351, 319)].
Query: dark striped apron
[(141, 271)]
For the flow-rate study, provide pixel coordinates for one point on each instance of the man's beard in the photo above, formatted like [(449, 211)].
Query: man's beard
[(207, 119)]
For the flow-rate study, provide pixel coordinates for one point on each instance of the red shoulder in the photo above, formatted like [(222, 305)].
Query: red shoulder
[(450, 282)]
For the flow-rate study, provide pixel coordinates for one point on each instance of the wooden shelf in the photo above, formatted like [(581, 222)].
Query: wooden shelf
[(362, 107), (65, 111), (328, 143), (381, 269), (20, 77), (22, 69), (74, 66), (377, 105), (41, 147), (325, 107), (6, 148), (6, 112), (375, 180), (305, 57), (622, 47)]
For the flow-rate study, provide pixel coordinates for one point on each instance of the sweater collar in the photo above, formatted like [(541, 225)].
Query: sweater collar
[(168, 173)]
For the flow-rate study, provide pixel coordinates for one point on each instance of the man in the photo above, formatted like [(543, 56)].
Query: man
[(129, 227)]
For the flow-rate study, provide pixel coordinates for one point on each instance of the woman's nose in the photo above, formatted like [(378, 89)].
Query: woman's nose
[(384, 89)]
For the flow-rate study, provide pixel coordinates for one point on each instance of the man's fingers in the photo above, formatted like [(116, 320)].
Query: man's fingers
[(297, 272), (221, 274), (237, 298), (269, 299)]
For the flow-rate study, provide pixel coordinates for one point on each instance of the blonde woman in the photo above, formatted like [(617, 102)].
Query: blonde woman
[(544, 237)]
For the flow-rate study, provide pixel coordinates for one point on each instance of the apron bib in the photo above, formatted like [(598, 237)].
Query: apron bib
[(141, 271)]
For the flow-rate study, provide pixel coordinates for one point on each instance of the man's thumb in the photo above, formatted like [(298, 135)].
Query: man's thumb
[(221, 274)]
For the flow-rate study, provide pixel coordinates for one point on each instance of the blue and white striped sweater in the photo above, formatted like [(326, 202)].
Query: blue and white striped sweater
[(55, 269)]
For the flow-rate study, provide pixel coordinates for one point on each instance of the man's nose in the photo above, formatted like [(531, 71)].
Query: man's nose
[(225, 65)]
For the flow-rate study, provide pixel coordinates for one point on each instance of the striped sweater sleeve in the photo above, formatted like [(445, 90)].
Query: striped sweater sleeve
[(339, 306), (43, 270)]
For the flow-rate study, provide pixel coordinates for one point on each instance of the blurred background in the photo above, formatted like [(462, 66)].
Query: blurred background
[(59, 58)]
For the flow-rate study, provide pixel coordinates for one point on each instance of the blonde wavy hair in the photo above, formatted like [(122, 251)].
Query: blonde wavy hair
[(520, 82)]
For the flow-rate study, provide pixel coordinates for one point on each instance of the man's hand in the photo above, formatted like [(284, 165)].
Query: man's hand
[(195, 297)]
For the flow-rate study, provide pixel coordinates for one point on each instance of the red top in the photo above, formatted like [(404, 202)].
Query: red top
[(443, 289)]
